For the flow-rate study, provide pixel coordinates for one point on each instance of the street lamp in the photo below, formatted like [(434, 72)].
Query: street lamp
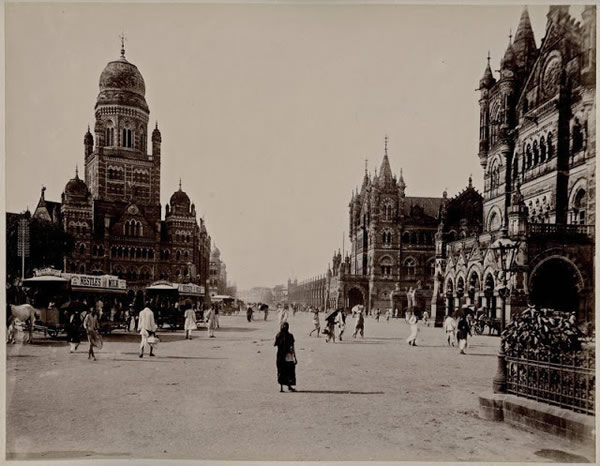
[(505, 252)]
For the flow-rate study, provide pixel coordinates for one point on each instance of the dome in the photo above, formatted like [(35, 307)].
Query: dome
[(180, 200), (121, 83), (124, 76), (76, 186), (215, 253)]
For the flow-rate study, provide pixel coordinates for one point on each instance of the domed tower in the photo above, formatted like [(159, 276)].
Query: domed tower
[(119, 167), (76, 212)]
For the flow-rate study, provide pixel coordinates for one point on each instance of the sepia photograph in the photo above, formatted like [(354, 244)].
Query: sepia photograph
[(299, 232)]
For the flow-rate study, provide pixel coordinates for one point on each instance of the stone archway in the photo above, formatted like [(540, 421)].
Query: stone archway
[(355, 296), (555, 283)]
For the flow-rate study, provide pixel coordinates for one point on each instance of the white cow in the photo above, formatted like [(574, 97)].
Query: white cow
[(24, 312)]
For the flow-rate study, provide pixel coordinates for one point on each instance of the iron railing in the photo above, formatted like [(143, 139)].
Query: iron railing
[(566, 380)]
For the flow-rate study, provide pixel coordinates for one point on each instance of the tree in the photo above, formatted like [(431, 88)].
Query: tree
[(48, 246)]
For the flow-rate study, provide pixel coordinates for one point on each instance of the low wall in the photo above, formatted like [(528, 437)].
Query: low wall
[(533, 415)]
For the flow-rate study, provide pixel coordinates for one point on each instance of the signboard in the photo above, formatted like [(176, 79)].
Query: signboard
[(47, 271), (190, 288), (94, 281)]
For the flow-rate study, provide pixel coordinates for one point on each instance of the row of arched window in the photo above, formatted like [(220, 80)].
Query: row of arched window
[(127, 137), (409, 266), (77, 228), (116, 173), (425, 238), (183, 236), (133, 228), (132, 253), (98, 251), (132, 273), (166, 254), (534, 153)]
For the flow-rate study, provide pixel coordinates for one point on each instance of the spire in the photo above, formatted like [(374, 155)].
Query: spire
[(524, 44), (487, 80), (401, 183), (385, 173), (122, 36), (179, 184), (470, 181), (76, 172), (508, 61)]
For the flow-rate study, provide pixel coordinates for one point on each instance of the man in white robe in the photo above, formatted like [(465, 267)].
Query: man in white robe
[(146, 327)]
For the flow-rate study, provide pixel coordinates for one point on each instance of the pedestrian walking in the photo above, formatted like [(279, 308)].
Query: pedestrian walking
[(414, 330), (316, 323), (210, 320), (341, 321), (286, 358), (359, 324), (91, 327), (190, 323), (377, 314), (388, 314), (132, 322), (450, 329), (249, 312), (463, 331), (282, 315), (330, 328), (216, 316), (73, 331), (147, 328), (426, 318)]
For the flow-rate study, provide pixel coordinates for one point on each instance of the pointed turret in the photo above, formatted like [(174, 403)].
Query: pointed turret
[(386, 177), (508, 61), (487, 79), (524, 44)]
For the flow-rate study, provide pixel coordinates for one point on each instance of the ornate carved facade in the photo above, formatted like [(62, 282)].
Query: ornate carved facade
[(537, 148), (114, 213), (392, 240)]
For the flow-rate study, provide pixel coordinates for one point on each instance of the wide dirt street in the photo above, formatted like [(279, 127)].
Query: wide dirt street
[(366, 399)]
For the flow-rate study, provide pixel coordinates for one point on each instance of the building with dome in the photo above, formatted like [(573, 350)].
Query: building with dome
[(217, 274), (537, 149), (114, 210)]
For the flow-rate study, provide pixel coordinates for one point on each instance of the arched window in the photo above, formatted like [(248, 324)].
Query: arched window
[(542, 150), (144, 253), (151, 253), (536, 154), (101, 251), (81, 248), (413, 238), (94, 250), (577, 136), (142, 141), (579, 207), (550, 146), (431, 267), (178, 255), (410, 266), (386, 266), (186, 254), (406, 237), (129, 139), (529, 156), (124, 138)]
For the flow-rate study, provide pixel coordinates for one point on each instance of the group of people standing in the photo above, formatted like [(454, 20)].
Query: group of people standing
[(457, 329)]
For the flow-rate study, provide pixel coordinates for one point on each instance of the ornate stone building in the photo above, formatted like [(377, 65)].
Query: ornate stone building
[(114, 213), (392, 240), (537, 148), (217, 279)]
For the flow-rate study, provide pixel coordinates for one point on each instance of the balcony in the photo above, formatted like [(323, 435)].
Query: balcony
[(550, 229)]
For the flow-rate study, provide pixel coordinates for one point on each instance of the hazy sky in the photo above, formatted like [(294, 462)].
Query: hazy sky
[(267, 112)]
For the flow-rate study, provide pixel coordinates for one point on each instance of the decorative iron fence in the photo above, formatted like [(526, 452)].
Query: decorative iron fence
[(565, 380)]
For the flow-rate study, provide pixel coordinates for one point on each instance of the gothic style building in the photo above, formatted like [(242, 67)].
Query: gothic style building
[(217, 274), (114, 213), (392, 240), (537, 148)]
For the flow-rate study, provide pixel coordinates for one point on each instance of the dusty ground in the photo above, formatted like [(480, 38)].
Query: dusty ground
[(371, 399)]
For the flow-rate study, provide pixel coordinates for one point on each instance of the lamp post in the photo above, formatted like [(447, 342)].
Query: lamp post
[(504, 250)]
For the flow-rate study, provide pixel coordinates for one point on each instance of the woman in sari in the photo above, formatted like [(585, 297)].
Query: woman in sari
[(73, 329), (286, 358), (190, 323)]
